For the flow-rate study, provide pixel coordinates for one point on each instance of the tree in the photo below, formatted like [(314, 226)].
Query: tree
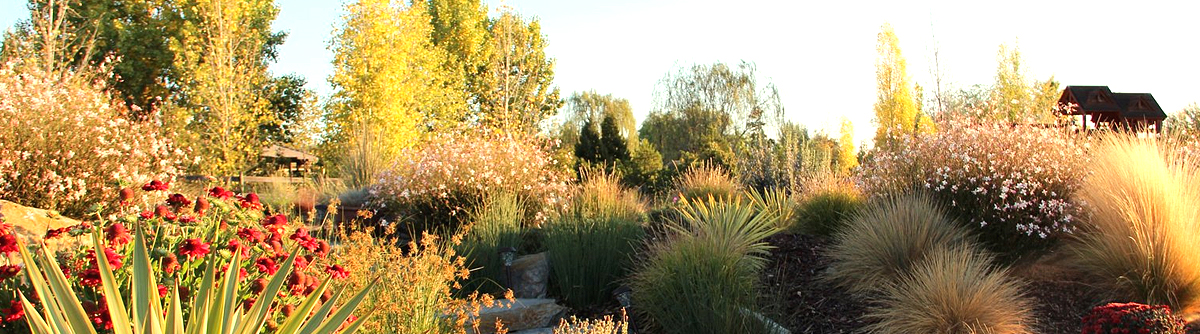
[(700, 111), (589, 149), (516, 93), (222, 65), (289, 103), (1185, 122), (612, 142), (460, 28), (590, 106), (1015, 98), (389, 78), (643, 168), (846, 159), (53, 41), (896, 112)]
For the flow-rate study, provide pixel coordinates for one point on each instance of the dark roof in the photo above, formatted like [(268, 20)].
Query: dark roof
[(1139, 105), (1090, 99)]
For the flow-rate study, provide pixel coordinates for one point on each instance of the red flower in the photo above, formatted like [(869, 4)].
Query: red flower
[(114, 259), (337, 271), (8, 271), (162, 290), (178, 200), (100, 316), (170, 263), (219, 192), (54, 233), (202, 205), (193, 248), (297, 282), (322, 248), (14, 312), (250, 234), (117, 234), (90, 277), (8, 244), (147, 214), (186, 219), (248, 303), (258, 285), (156, 185), (250, 201), (163, 211), (275, 223), (266, 265), (125, 195), (236, 246)]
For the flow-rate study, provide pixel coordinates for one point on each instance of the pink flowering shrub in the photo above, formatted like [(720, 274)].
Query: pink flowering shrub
[(64, 146), (443, 179), (1132, 318), (1012, 184)]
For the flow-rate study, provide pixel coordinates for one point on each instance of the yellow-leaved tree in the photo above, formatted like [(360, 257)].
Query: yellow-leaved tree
[(847, 160), (389, 79), (897, 113)]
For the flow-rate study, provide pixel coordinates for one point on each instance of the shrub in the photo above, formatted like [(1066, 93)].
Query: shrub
[(416, 281), (439, 182), (601, 326), (1011, 184), (825, 212), (777, 203), (952, 290), (1142, 234), (496, 225), (706, 180), (590, 242), (881, 242), (1132, 318), (65, 146), (704, 279)]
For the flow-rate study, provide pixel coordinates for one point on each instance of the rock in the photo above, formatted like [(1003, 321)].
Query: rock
[(545, 330), (519, 314), (531, 273), (31, 224)]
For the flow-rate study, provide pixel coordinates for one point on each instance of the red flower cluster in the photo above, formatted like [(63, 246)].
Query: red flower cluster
[(156, 185), (193, 248), (178, 200), (250, 201), (1132, 318), (117, 235), (8, 241), (219, 192), (9, 271), (14, 311)]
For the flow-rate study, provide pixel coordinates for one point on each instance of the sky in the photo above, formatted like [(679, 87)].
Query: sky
[(820, 54)]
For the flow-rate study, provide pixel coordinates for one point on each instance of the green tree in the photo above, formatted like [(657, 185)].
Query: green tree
[(222, 66), (590, 106), (589, 149), (1017, 99), (517, 91), (643, 169), (701, 111), (896, 111), (612, 141), (289, 104)]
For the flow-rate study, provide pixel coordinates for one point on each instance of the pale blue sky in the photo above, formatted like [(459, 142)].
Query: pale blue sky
[(821, 53)]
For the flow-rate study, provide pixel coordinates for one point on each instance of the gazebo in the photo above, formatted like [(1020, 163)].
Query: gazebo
[(1102, 108), (294, 161)]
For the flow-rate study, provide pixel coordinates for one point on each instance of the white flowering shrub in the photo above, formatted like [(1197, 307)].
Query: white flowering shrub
[(440, 181), (64, 146), (1012, 184)]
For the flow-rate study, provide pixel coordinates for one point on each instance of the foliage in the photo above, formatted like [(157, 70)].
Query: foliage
[(953, 290), (824, 212), (897, 113), (450, 174), (416, 282), (643, 169), (1141, 233), (222, 65), (698, 109), (999, 180), (1132, 318), (496, 224), (1185, 122), (589, 106), (519, 79), (1015, 98), (847, 160), (777, 203), (63, 145), (294, 110), (784, 162), (884, 240), (363, 159), (704, 278), (389, 78), (706, 181), (592, 240)]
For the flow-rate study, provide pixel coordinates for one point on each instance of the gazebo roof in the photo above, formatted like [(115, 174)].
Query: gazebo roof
[(283, 152)]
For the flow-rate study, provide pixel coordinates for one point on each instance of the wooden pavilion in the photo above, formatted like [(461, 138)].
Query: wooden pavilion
[(1104, 109)]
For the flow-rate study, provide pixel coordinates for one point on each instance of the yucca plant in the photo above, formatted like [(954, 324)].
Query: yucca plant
[(730, 225), (215, 308), (777, 202)]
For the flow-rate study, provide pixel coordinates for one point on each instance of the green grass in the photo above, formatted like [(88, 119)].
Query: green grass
[(495, 225), (590, 242), (825, 213)]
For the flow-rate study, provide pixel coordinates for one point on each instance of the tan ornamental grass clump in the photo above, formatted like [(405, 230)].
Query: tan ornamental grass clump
[(882, 241), (707, 180), (1141, 238), (953, 290)]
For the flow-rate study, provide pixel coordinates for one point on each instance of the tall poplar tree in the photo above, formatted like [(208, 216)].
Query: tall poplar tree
[(896, 112)]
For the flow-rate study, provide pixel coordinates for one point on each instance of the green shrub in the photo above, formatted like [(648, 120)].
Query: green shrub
[(705, 278), (496, 225), (1143, 228), (590, 242), (778, 203), (824, 213), (953, 290), (705, 181), (885, 239)]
